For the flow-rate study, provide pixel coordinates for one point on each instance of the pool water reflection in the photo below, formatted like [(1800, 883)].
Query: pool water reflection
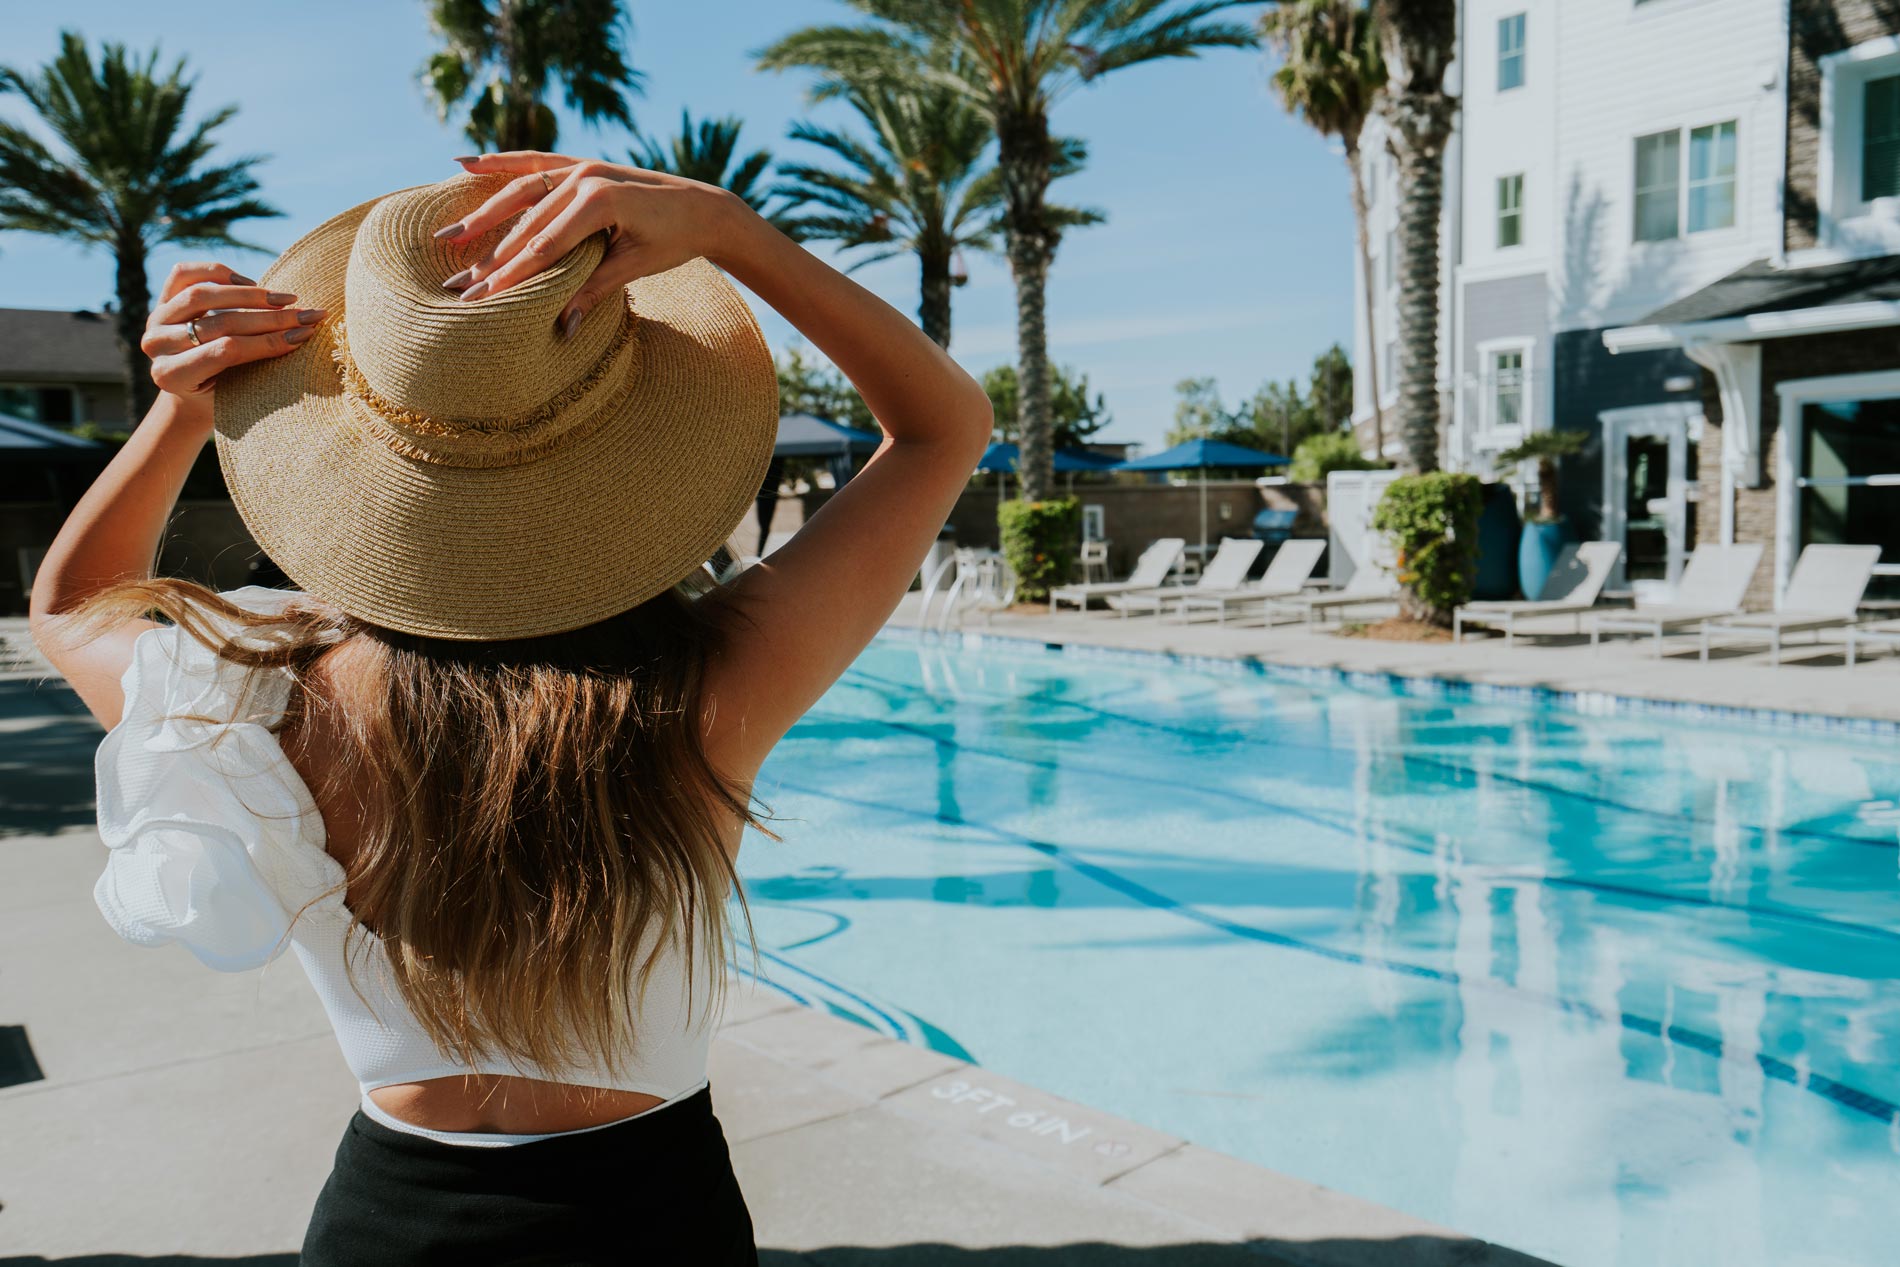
[(1610, 990)]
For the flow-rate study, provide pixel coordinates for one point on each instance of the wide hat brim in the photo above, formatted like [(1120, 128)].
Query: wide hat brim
[(589, 530)]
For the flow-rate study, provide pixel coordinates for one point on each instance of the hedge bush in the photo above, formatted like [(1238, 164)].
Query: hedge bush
[(1039, 540), (1432, 521), (1319, 455)]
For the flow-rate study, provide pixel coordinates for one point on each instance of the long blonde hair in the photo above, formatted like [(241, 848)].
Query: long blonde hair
[(540, 814)]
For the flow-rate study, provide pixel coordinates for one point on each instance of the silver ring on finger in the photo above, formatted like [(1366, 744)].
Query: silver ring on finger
[(191, 328)]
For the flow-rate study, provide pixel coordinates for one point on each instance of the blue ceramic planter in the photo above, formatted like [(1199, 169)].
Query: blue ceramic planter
[(1537, 553)]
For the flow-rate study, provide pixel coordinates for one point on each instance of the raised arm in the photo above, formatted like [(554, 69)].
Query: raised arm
[(802, 615), (207, 319)]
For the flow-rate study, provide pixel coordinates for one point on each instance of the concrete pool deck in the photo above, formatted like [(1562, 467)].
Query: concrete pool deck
[(188, 1117), (1812, 678)]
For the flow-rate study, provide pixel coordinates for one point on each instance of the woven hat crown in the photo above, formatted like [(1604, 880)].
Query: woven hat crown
[(491, 382), (460, 469)]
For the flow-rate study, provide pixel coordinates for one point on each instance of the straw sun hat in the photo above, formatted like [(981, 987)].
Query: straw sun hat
[(459, 470)]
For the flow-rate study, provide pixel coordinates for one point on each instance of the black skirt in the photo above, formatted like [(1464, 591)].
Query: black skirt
[(657, 1188)]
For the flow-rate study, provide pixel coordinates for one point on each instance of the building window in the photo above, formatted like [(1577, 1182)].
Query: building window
[(52, 406), (1712, 177), (1880, 140), (1670, 201), (1511, 52), (1390, 370), (1388, 262), (1849, 481), (1511, 210), (1658, 158), (1507, 389)]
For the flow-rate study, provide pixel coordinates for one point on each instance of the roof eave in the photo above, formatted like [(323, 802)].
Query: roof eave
[(1755, 326)]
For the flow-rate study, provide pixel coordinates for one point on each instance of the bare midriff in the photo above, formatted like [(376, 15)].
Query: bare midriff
[(504, 1105)]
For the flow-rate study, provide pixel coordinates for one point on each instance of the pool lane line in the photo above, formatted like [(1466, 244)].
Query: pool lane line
[(1395, 836), (1848, 1097), (1554, 790), (1425, 686)]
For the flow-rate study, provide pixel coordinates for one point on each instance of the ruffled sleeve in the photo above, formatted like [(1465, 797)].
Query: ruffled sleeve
[(213, 840)]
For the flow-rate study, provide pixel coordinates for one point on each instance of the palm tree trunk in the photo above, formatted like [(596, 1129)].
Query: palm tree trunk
[(1362, 214), (1422, 197), (1025, 158), (933, 313), (1035, 462), (135, 304)]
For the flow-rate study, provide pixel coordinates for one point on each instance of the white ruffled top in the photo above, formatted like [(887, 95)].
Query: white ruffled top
[(214, 842)]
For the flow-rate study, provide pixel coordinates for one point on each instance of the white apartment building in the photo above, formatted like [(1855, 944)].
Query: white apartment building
[(1612, 156)]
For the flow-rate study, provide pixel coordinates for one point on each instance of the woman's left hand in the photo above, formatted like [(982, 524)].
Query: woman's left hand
[(655, 221)]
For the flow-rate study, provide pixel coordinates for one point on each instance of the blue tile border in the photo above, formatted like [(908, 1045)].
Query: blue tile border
[(1424, 686)]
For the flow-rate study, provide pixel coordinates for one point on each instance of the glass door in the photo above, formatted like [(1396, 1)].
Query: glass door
[(1649, 493), (1849, 482)]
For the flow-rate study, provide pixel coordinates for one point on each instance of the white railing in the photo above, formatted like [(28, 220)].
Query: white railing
[(980, 581)]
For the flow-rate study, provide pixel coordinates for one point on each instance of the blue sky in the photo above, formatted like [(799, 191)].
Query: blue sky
[(1227, 250)]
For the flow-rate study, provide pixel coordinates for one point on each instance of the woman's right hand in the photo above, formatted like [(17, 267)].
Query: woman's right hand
[(209, 318), (655, 221)]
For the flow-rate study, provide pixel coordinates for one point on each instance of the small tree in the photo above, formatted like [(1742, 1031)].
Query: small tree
[(1320, 455), (1546, 448), (1432, 520), (1076, 418)]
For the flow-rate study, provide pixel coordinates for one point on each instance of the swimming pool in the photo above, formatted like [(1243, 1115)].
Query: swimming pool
[(1608, 989)]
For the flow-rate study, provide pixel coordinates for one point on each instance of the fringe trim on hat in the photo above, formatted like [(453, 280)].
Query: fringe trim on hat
[(493, 442)]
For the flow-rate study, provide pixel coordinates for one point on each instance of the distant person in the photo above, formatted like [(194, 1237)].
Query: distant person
[(499, 744)]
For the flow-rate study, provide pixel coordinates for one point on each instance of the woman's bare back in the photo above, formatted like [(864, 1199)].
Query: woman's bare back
[(486, 1103)]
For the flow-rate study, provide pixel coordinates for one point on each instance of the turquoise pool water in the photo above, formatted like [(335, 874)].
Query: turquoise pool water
[(1607, 989)]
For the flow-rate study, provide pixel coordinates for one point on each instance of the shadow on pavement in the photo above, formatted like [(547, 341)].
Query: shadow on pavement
[(1405, 1251), (46, 761)]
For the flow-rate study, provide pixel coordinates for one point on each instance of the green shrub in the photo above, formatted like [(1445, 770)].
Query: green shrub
[(1319, 455), (1433, 523), (1039, 540)]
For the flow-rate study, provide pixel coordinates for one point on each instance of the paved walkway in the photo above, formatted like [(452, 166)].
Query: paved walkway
[(1812, 677), (163, 1114)]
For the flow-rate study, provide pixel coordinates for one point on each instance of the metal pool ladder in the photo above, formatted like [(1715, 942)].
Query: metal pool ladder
[(979, 581)]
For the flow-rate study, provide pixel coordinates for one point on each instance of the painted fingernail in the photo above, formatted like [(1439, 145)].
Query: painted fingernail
[(448, 230), (310, 316), (281, 298), (465, 158), (298, 335), (458, 281), (476, 291), (239, 279), (570, 323)]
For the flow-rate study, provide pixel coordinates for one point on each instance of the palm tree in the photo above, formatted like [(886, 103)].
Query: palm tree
[(502, 53), (1331, 74), (1419, 40), (1012, 60), (705, 153), (918, 187), (131, 177)]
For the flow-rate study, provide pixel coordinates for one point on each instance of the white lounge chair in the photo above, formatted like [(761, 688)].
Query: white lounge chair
[(1286, 576), (1151, 569), (1224, 573), (1369, 584), (1878, 633), (1576, 581), (1712, 586), (1824, 593)]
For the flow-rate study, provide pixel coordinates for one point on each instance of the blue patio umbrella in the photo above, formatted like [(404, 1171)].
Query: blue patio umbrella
[(1200, 455), (1003, 456)]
